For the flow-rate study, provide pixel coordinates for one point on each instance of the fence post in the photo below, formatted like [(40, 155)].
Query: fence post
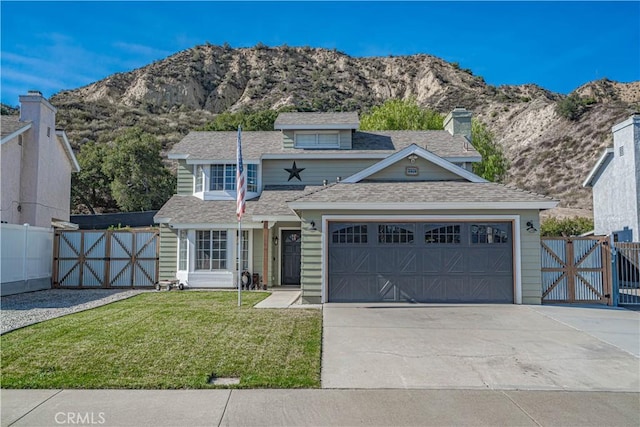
[(25, 254), (615, 290)]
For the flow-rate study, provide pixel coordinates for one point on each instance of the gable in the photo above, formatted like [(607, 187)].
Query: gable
[(419, 170), (440, 166)]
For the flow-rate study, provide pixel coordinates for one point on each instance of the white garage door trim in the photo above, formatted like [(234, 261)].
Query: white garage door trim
[(347, 218)]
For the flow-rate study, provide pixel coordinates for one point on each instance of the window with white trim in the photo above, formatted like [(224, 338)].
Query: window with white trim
[(245, 250), (211, 250), (223, 177), (199, 176), (183, 243), (329, 139)]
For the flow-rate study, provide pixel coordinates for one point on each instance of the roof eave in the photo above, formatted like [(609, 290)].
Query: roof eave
[(67, 146), (404, 206), (600, 164), (9, 137), (341, 126)]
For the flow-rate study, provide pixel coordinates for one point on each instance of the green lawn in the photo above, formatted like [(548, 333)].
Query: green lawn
[(168, 340)]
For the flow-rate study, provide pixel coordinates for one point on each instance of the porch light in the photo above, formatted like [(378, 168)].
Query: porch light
[(530, 227), (313, 225), (275, 240)]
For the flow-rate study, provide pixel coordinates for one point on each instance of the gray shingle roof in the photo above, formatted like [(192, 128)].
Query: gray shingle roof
[(419, 192), (11, 124), (182, 209), (273, 200), (322, 119), (222, 145)]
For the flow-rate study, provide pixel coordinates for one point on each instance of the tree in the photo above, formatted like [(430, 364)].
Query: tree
[(139, 179), (494, 165), (401, 114), (90, 186), (554, 227), (397, 114)]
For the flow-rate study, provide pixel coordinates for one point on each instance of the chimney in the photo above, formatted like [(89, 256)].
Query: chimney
[(458, 122)]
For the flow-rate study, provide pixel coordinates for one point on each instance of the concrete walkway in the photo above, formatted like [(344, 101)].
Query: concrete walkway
[(280, 298), (317, 408)]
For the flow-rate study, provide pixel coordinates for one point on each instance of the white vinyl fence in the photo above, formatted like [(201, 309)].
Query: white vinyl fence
[(26, 255)]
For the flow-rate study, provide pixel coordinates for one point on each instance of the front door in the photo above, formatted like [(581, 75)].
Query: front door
[(291, 257)]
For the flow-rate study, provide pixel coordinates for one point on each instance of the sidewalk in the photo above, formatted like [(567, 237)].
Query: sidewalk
[(317, 407)]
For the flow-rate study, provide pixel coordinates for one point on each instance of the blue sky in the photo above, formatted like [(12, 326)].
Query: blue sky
[(52, 46)]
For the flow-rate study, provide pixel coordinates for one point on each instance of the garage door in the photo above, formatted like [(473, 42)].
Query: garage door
[(421, 262)]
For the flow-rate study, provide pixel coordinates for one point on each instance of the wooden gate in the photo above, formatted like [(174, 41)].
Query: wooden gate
[(576, 270), (105, 258)]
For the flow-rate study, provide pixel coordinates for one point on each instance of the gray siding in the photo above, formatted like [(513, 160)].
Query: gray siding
[(185, 178), (168, 253), (273, 171), (345, 140), (427, 171), (529, 247), (288, 139), (311, 271)]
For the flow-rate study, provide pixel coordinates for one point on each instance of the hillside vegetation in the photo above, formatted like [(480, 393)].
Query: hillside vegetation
[(551, 141)]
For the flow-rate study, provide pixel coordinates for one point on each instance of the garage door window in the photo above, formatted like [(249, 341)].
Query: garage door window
[(489, 234), (396, 233), (351, 234), (441, 234)]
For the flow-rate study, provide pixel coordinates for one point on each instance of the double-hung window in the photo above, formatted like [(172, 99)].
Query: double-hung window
[(223, 177), (183, 250)]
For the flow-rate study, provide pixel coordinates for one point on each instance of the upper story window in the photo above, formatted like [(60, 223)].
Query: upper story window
[(316, 139), (222, 177)]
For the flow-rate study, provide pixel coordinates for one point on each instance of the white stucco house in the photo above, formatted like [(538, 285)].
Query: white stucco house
[(37, 162), (35, 179), (615, 180), (347, 215)]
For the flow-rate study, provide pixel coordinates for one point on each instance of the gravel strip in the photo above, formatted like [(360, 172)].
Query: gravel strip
[(26, 309)]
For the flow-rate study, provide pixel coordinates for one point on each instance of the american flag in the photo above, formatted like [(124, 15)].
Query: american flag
[(241, 181)]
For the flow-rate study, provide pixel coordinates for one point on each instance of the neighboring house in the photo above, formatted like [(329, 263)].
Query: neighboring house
[(35, 177), (37, 162), (348, 215), (615, 181)]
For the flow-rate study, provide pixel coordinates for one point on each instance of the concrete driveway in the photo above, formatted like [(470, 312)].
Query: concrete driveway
[(480, 346)]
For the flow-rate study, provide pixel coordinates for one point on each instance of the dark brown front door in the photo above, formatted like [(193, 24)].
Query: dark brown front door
[(291, 257)]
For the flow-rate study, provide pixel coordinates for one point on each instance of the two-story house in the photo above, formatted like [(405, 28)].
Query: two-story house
[(37, 162), (615, 180), (348, 215)]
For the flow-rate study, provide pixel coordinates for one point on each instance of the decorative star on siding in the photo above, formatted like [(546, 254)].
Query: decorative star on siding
[(294, 172)]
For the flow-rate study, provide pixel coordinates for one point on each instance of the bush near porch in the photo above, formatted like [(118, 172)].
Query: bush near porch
[(168, 340)]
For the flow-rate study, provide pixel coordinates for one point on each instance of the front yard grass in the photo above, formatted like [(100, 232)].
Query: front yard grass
[(168, 340)]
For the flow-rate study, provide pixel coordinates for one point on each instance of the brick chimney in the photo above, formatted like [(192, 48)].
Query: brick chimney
[(458, 122)]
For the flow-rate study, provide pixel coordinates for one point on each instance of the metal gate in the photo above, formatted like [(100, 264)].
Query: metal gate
[(105, 258), (576, 270), (626, 272)]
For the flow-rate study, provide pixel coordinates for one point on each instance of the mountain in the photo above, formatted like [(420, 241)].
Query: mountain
[(548, 152)]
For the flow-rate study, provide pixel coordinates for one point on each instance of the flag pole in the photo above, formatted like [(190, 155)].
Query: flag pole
[(239, 262), (240, 207)]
